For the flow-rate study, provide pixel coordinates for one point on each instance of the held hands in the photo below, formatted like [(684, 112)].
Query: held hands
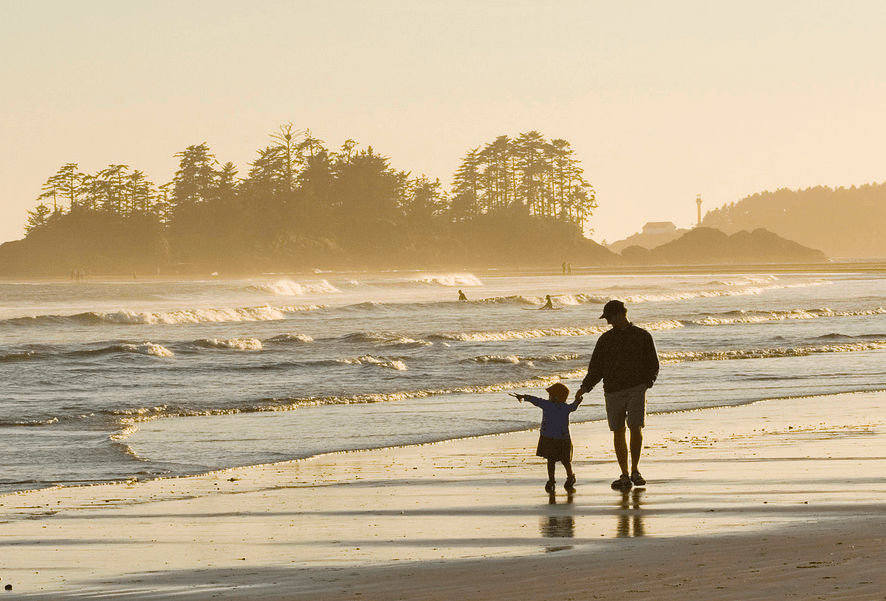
[(579, 394), (519, 397)]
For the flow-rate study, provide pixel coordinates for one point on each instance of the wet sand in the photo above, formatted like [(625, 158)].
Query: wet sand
[(781, 499)]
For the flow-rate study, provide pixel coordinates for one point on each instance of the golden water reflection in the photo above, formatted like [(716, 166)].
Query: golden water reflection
[(558, 526), (630, 518)]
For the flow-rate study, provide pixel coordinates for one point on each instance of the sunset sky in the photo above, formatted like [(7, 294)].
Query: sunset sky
[(661, 100)]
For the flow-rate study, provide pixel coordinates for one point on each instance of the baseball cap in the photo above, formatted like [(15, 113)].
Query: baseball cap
[(613, 307)]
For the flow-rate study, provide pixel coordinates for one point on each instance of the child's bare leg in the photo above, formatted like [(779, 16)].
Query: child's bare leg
[(568, 466)]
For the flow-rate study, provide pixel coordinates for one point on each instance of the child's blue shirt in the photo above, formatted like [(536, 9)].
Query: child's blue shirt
[(554, 416)]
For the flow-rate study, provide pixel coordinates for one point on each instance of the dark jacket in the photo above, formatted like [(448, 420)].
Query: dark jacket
[(554, 416), (623, 358)]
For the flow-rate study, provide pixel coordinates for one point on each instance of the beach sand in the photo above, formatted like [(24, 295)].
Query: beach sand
[(780, 499)]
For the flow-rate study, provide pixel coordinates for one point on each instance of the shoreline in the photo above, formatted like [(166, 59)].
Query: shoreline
[(849, 265), (769, 487), (324, 454)]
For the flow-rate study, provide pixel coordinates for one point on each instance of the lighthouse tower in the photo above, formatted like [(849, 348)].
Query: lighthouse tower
[(698, 202)]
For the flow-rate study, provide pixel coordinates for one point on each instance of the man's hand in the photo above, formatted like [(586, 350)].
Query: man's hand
[(579, 394)]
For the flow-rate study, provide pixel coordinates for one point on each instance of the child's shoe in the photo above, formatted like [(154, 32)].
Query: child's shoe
[(550, 486), (570, 484)]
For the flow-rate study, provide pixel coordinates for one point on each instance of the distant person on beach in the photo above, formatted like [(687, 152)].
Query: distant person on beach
[(461, 296), (554, 442), (564, 267), (548, 303), (626, 360)]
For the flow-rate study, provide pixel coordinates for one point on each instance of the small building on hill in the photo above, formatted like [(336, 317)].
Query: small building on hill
[(653, 228), (655, 233)]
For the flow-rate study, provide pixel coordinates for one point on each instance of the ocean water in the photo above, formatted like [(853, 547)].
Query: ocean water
[(115, 380)]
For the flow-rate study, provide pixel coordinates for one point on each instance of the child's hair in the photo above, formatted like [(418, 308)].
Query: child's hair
[(559, 391)]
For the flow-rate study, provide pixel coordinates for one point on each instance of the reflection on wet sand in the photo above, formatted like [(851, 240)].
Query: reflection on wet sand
[(558, 525), (630, 518)]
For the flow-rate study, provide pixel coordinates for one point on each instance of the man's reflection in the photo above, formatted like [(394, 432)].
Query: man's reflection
[(630, 518)]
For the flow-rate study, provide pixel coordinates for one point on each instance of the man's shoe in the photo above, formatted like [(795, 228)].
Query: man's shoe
[(623, 483), (550, 486), (637, 479)]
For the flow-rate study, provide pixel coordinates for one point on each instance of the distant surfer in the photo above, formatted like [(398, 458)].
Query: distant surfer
[(461, 296), (625, 359), (549, 304)]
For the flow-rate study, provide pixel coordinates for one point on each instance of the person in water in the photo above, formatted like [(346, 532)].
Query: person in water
[(461, 296), (554, 442), (549, 304)]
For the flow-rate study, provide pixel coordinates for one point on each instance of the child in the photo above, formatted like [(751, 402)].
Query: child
[(554, 442)]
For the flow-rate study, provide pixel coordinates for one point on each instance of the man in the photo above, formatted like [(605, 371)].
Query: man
[(625, 359)]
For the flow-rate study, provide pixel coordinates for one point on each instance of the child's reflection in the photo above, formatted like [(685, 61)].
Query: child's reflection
[(558, 526)]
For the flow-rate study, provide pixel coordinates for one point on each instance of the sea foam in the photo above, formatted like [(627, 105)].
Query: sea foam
[(289, 288)]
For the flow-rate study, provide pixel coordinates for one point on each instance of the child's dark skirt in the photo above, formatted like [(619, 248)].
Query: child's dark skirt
[(558, 449)]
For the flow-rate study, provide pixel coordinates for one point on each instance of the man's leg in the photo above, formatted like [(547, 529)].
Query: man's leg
[(636, 418), (616, 406), (621, 450), (636, 448)]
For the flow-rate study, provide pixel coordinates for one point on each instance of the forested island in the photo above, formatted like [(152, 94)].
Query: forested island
[(521, 201)]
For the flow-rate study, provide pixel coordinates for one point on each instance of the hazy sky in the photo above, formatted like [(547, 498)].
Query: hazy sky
[(661, 100)]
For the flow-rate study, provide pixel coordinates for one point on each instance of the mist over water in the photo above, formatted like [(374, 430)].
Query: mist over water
[(113, 380)]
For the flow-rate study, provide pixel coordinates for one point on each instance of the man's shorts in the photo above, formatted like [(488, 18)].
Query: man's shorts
[(630, 404)]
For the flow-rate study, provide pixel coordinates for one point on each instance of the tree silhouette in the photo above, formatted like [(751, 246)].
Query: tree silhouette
[(527, 175), (466, 187), (301, 204), (38, 217)]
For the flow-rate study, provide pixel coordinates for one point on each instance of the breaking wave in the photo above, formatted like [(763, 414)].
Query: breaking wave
[(771, 353), (450, 280), (184, 316), (147, 348), (545, 332), (748, 290), (143, 414), (384, 339), (289, 288), (733, 317), (386, 362), (516, 359), (286, 338), (240, 344)]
